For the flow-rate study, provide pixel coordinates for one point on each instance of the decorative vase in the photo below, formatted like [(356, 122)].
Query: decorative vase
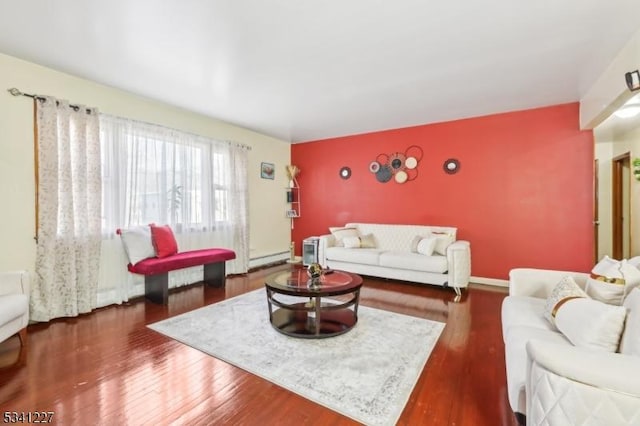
[(314, 270)]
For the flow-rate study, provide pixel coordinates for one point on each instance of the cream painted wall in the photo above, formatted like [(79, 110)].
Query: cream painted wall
[(610, 90), (269, 228), (630, 142), (608, 146)]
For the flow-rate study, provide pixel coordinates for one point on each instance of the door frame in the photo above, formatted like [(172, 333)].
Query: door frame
[(617, 202)]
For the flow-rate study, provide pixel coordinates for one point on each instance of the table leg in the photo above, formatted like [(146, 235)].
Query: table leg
[(318, 302), (269, 296), (355, 306)]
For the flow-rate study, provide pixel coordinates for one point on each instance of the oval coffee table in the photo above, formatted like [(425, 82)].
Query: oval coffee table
[(310, 314)]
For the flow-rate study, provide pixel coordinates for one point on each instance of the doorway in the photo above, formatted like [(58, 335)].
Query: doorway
[(621, 206)]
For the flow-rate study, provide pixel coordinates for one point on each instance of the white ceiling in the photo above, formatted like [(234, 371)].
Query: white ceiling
[(304, 70)]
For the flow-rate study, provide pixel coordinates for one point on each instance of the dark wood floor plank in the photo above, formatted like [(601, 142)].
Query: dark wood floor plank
[(107, 367)]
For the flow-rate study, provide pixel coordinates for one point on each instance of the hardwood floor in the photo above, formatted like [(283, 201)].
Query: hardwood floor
[(108, 368)]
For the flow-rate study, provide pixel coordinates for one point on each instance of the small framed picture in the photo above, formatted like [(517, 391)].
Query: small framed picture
[(267, 170), (292, 213)]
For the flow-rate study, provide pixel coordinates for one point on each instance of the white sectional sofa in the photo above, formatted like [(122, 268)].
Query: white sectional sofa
[(551, 381), (390, 255)]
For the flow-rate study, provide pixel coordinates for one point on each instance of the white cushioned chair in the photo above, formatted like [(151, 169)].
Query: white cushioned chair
[(552, 381), (14, 305)]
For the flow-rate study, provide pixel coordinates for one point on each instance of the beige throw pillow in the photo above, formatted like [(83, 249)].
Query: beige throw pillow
[(443, 240), (365, 241), (341, 233), (368, 241), (565, 290)]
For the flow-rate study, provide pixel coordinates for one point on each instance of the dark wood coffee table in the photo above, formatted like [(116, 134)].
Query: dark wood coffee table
[(310, 314)]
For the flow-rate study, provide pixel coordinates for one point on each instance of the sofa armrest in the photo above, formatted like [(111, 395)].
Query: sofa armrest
[(614, 372), (539, 282), (459, 261), (565, 383), (14, 282), (325, 242)]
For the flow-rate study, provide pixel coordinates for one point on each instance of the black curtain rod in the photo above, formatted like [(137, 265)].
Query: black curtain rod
[(17, 92)]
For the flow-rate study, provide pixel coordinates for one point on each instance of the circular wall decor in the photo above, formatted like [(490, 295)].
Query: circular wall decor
[(345, 173), (384, 174), (411, 163), (415, 152), (451, 166), (374, 166), (401, 176), (397, 161)]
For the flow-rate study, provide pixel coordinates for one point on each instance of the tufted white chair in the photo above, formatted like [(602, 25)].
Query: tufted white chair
[(14, 305)]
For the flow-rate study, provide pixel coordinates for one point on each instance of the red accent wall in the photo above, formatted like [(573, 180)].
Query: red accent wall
[(523, 196)]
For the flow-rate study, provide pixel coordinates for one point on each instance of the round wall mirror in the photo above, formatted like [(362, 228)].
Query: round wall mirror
[(451, 166), (345, 173)]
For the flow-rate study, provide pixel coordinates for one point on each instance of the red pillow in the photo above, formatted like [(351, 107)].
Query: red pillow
[(163, 240)]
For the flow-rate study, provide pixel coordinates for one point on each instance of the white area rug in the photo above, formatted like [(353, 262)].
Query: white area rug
[(367, 373)]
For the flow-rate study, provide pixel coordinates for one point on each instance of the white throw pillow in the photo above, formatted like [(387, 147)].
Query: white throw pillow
[(635, 261), (426, 246), (443, 240), (565, 290), (137, 243), (611, 280), (341, 233), (630, 341), (591, 324), (351, 242)]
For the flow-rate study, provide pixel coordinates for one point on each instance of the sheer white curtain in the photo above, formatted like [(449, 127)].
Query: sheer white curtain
[(69, 205), (153, 174)]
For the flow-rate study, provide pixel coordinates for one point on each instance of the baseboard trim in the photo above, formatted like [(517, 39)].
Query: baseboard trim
[(490, 281), (269, 259)]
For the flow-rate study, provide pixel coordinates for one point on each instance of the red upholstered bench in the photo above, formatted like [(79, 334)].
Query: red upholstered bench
[(156, 270)]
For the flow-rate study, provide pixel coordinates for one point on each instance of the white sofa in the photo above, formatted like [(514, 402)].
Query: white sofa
[(552, 382), (392, 257), (14, 305)]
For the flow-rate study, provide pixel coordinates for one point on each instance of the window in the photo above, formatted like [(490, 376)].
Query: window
[(152, 174)]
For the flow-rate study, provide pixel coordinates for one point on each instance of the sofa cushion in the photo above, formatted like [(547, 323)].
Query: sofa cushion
[(138, 243), (164, 242), (414, 261), (341, 233), (363, 255), (443, 240), (363, 241), (630, 340), (565, 290), (13, 306), (368, 241), (397, 237), (351, 242), (524, 310), (515, 345), (611, 280), (426, 246), (415, 241), (591, 324)]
